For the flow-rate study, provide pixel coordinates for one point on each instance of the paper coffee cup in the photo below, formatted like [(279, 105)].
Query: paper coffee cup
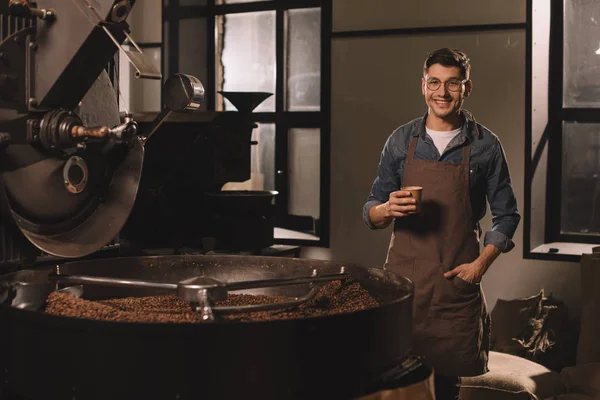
[(416, 192)]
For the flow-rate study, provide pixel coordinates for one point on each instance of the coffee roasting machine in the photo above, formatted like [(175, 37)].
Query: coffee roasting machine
[(76, 178)]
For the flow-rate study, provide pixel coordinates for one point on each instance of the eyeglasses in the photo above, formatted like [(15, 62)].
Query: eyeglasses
[(452, 85)]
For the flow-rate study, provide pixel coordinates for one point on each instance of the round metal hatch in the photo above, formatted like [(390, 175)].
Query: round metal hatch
[(73, 203)]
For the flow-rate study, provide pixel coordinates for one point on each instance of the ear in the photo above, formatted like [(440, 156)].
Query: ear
[(423, 86), (468, 88)]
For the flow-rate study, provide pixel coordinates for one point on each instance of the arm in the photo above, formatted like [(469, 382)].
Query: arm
[(379, 217), (400, 204), (385, 201), (502, 201), (473, 272), (505, 219)]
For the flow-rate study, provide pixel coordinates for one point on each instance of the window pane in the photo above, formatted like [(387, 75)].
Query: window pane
[(581, 69), (304, 152), (263, 155), (139, 95), (192, 49), (304, 60), (246, 63), (145, 21), (262, 161), (581, 178)]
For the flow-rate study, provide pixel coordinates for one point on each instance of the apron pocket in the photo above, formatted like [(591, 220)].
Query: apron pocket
[(464, 286), (402, 267), (456, 298)]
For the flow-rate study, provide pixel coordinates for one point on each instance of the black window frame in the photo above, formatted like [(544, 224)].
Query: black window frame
[(553, 138), (283, 120)]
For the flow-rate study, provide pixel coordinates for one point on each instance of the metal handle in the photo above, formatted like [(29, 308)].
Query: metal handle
[(181, 92), (96, 280), (123, 133), (268, 307), (21, 8), (286, 281)]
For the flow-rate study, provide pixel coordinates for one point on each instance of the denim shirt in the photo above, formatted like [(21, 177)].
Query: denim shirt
[(489, 175)]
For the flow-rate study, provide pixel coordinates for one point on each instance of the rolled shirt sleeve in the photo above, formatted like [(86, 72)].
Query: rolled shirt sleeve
[(502, 201), (368, 205)]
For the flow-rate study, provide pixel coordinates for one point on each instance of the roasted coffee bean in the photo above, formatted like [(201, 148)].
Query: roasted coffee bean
[(333, 298), (155, 309)]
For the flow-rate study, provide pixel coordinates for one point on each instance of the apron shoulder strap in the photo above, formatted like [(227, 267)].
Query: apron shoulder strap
[(412, 148), (466, 155)]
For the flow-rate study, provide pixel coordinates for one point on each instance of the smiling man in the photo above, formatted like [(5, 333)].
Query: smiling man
[(460, 165)]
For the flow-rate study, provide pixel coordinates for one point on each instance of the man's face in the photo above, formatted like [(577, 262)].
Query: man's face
[(444, 102)]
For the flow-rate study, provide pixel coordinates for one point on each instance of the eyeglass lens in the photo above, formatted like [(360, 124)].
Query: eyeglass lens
[(452, 85)]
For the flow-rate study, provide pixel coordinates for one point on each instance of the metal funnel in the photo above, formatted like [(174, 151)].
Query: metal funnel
[(246, 101)]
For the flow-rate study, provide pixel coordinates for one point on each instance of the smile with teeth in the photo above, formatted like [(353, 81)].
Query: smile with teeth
[(441, 103)]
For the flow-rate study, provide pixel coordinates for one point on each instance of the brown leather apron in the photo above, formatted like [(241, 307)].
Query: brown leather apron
[(451, 323)]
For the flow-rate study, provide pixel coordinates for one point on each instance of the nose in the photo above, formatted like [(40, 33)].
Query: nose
[(444, 87), (443, 91)]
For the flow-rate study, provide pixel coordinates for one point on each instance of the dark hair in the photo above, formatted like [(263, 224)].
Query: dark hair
[(449, 58)]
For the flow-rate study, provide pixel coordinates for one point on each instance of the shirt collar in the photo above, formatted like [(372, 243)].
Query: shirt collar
[(467, 132)]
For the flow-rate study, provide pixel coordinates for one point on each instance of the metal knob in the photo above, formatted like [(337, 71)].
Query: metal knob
[(183, 93)]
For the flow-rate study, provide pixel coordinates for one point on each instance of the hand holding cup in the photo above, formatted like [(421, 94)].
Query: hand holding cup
[(404, 202)]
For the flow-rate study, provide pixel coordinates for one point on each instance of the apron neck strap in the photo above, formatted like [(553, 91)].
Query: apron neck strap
[(466, 155), (412, 148)]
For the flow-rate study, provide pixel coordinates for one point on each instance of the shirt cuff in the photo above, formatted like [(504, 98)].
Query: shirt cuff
[(368, 205), (500, 240)]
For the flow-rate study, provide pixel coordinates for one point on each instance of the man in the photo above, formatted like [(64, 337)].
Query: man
[(458, 163)]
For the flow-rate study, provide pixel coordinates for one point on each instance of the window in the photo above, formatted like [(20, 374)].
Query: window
[(564, 100), (280, 47), (141, 95), (575, 126)]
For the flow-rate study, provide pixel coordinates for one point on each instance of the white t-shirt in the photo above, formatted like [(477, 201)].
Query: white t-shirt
[(442, 138)]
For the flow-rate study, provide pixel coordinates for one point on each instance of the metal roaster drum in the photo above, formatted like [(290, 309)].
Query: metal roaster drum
[(339, 356)]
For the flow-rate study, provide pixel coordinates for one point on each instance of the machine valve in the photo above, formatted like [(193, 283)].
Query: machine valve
[(123, 133), (62, 129), (21, 8)]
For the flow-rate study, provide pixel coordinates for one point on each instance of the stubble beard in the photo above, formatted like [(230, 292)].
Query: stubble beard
[(454, 108)]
